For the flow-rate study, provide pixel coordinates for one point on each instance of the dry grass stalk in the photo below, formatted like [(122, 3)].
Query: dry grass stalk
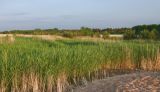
[(61, 82), (34, 82), (157, 65), (7, 38), (15, 87), (3, 87), (24, 84), (50, 84), (148, 64)]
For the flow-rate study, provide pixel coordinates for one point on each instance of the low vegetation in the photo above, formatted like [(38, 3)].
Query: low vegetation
[(39, 65), (46, 63)]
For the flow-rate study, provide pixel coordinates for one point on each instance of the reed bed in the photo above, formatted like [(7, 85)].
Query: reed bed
[(31, 65)]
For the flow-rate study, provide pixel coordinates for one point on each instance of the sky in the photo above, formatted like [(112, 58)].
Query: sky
[(73, 14)]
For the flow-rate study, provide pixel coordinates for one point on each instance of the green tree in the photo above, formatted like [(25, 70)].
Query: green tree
[(129, 34), (153, 34), (145, 34), (85, 31)]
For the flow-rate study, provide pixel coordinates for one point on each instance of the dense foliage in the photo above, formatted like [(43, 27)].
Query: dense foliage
[(147, 31)]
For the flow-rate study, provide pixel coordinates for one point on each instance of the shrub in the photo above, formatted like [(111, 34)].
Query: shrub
[(105, 35), (129, 34)]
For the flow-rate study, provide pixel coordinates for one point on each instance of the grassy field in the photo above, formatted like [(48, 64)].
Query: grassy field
[(29, 65)]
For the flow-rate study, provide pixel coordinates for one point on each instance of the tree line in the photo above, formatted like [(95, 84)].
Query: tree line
[(136, 32), (144, 32)]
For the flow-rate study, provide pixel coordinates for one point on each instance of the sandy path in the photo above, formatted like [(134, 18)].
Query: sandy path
[(135, 82)]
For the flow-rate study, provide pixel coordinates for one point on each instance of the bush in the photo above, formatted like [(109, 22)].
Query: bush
[(130, 34), (68, 34), (105, 35), (153, 34), (86, 31)]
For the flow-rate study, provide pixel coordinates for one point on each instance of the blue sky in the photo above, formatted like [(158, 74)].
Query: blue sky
[(31, 14)]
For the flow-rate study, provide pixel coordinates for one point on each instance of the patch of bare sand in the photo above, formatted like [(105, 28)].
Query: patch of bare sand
[(43, 37), (135, 82)]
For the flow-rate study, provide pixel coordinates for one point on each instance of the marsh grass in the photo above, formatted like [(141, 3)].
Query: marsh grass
[(32, 65)]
